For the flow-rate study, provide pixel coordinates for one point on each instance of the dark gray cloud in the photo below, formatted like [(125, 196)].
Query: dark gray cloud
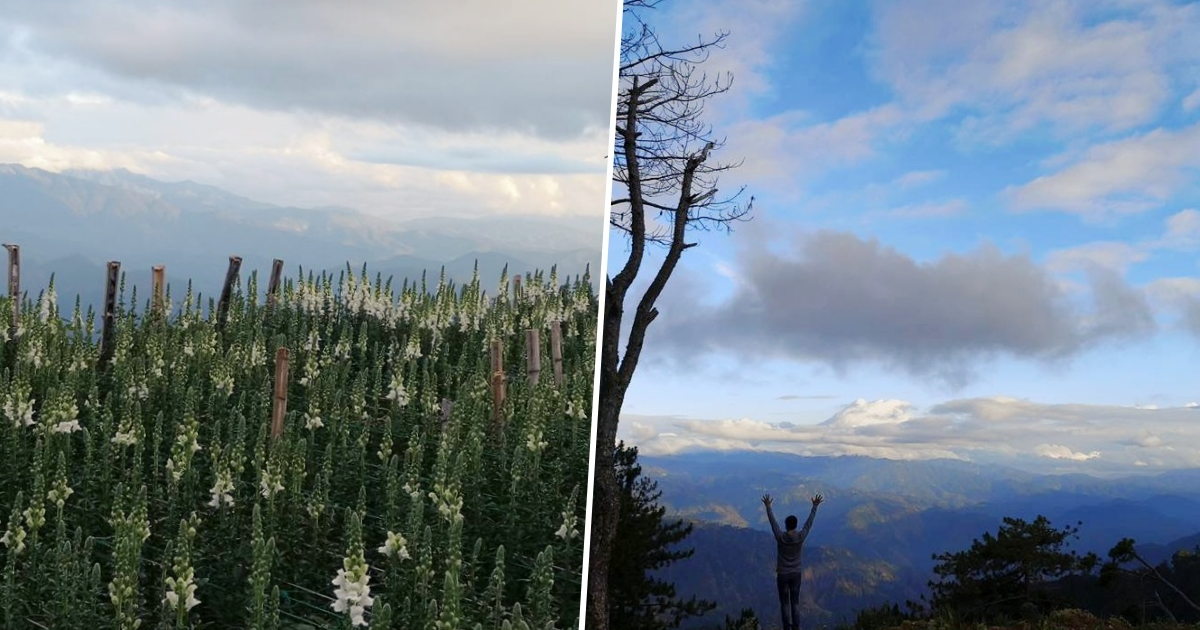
[(542, 67), (838, 299)]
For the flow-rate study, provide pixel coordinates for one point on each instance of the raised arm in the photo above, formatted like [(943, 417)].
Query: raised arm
[(812, 515), (766, 499)]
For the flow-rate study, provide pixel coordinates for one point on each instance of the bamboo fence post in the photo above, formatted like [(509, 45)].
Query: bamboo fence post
[(533, 355), (159, 281), (556, 351), (273, 286), (111, 285), (235, 264), (281, 392), (14, 286), (498, 386)]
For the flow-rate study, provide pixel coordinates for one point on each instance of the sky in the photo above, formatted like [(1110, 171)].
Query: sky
[(975, 235), (397, 109)]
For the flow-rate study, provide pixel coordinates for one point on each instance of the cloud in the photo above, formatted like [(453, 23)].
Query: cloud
[(309, 161), (1058, 451), (542, 67), (953, 207), (1067, 67), (1191, 101), (837, 299), (1114, 255), (791, 146), (1124, 176), (1027, 434), (863, 413), (914, 179), (1183, 230)]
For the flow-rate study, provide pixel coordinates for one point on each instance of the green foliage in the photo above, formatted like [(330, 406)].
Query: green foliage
[(1141, 592), (746, 620), (1003, 575), (887, 616), (388, 461), (644, 544)]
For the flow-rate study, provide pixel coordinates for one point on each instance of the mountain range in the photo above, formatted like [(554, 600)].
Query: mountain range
[(874, 537), (72, 223)]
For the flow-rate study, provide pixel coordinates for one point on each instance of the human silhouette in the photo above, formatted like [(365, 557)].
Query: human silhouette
[(787, 565)]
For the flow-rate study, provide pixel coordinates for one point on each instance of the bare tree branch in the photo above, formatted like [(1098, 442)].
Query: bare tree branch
[(665, 184)]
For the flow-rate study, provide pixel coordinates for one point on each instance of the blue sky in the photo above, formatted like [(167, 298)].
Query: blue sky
[(975, 217)]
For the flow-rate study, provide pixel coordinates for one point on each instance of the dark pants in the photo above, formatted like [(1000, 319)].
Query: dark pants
[(789, 599)]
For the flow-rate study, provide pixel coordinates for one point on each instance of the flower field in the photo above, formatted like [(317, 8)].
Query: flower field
[(150, 491)]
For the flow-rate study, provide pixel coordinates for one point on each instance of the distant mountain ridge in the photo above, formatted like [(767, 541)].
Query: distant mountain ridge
[(873, 539), (72, 223)]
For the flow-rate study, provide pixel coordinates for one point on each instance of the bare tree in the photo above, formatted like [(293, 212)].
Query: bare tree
[(664, 187)]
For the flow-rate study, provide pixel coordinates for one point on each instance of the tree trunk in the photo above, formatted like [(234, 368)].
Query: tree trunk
[(606, 501), (605, 515)]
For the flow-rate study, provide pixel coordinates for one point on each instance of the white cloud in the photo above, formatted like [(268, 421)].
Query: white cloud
[(1001, 429), (1146, 439), (953, 207), (862, 413), (914, 179), (1058, 451), (1115, 255), (1016, 67), (308, 160), (1191, 101), (1183, 230), (1120, 177)]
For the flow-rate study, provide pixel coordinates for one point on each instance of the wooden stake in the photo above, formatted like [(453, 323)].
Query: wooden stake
[(235, 263), (111, 286), (447, 408), (281, 392), (533, 355), (556, 351), (159, 275), (14, 286), (273, 287), (498, 385), (516, 289)]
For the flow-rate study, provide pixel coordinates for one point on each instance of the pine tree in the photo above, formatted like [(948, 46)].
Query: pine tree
[(645, 543), (1004, 574)]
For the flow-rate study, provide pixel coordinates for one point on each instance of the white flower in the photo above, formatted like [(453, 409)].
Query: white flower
[(125, 439), (312, 421), (413, 349), (15, 536), (222, 489), (188, 349), (395, 546), (20, 412), (576, 413), (59, 495), (35, 356), (223, 383), (69, 426), (353, 596), (270, 485), (397, 392), (46, 306), (185, 585)]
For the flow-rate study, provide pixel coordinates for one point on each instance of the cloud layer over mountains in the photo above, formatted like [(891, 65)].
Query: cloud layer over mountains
[(1099, 439)]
